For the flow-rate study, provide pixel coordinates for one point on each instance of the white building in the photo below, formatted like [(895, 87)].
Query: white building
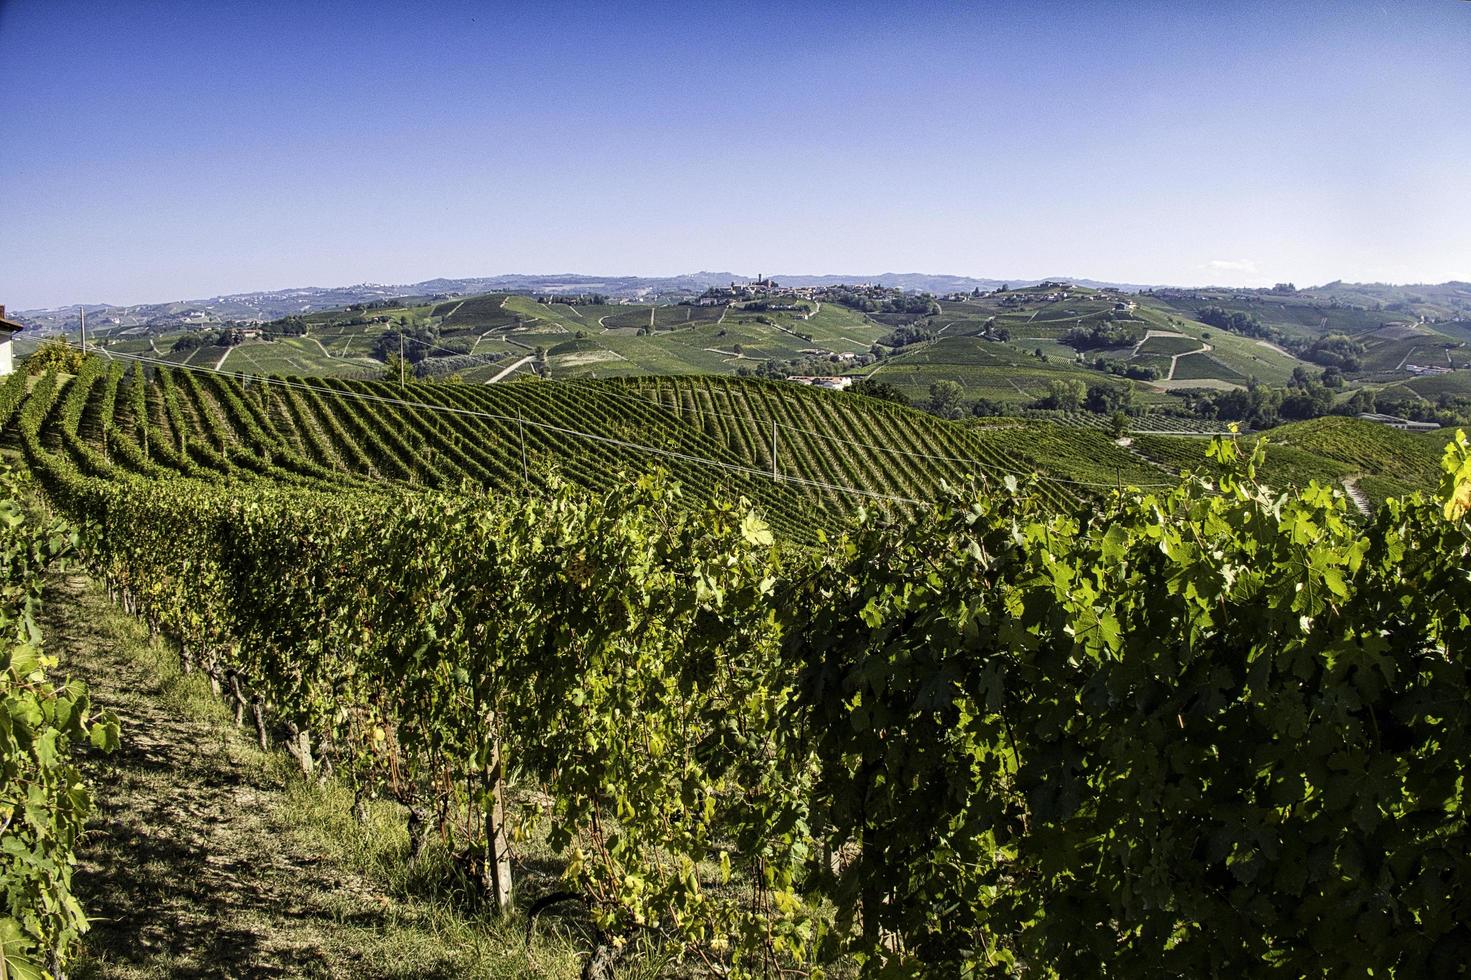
[(1395, 422), (830, 382), (8, 330)]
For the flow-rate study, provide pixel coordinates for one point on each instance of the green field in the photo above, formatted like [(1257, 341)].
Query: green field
[(833, 451), (484, 335), (408, 585)]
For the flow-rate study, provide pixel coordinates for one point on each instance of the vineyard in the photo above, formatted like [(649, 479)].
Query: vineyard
[(807, 458), (794, 681), (45, 805)]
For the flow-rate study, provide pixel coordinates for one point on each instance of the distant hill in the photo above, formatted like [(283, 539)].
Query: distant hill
[(1431, 301), (922, 282), (271, 304)]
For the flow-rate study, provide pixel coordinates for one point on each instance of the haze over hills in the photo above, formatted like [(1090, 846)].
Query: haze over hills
[(271, 304)]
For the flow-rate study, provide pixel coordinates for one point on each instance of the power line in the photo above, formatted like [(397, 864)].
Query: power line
[(453, 353)]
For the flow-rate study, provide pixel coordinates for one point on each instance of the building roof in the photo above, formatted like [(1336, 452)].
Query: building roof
[(10, 326)]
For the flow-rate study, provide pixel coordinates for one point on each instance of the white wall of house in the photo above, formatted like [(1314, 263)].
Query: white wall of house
[(7, 355)]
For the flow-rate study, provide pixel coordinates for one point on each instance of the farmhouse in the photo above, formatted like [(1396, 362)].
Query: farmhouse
[(831, 383), (8, 330), (1395, 422)]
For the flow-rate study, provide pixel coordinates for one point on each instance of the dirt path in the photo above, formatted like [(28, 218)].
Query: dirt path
[(508, 370), (1359, 498), (1204, 348), (1145, 339), (221, 362), (190, 867)]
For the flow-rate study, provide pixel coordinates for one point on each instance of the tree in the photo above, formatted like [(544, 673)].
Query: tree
[(1361, 402), (985, 408), (881, 390), (945, 399), (1118, 424), (1064, 395), (1308, 402), (56, 354), (395, 367), (1105, 398), (1335, 350)]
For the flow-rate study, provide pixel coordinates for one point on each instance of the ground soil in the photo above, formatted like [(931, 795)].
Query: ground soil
[(196, 864)]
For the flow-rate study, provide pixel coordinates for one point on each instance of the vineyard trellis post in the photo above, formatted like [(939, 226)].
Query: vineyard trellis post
[(521, 430), (497, 841), (774, 475)]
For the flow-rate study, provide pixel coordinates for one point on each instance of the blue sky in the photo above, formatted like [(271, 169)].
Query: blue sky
[(159, 151)]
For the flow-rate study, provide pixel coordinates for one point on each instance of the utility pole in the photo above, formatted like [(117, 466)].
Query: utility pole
[(400, 357), (83, 313)]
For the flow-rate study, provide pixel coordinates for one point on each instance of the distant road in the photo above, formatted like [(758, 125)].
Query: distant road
[(510, 369)]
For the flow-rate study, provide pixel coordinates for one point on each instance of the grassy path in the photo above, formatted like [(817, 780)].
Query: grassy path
[(209, 858)]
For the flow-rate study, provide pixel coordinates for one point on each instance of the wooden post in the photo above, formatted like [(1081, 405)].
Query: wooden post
[(773, 450), (258, 709), (497, 841), (240, 702), (521, 428)]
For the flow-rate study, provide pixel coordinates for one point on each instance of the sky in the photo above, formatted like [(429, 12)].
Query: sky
[(163, 151)]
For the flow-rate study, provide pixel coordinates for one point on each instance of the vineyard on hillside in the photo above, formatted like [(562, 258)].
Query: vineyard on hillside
[(808, 458), (1033, 728)]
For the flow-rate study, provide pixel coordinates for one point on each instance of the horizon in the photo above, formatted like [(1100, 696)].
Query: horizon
[(837, 277), (156, 152)]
